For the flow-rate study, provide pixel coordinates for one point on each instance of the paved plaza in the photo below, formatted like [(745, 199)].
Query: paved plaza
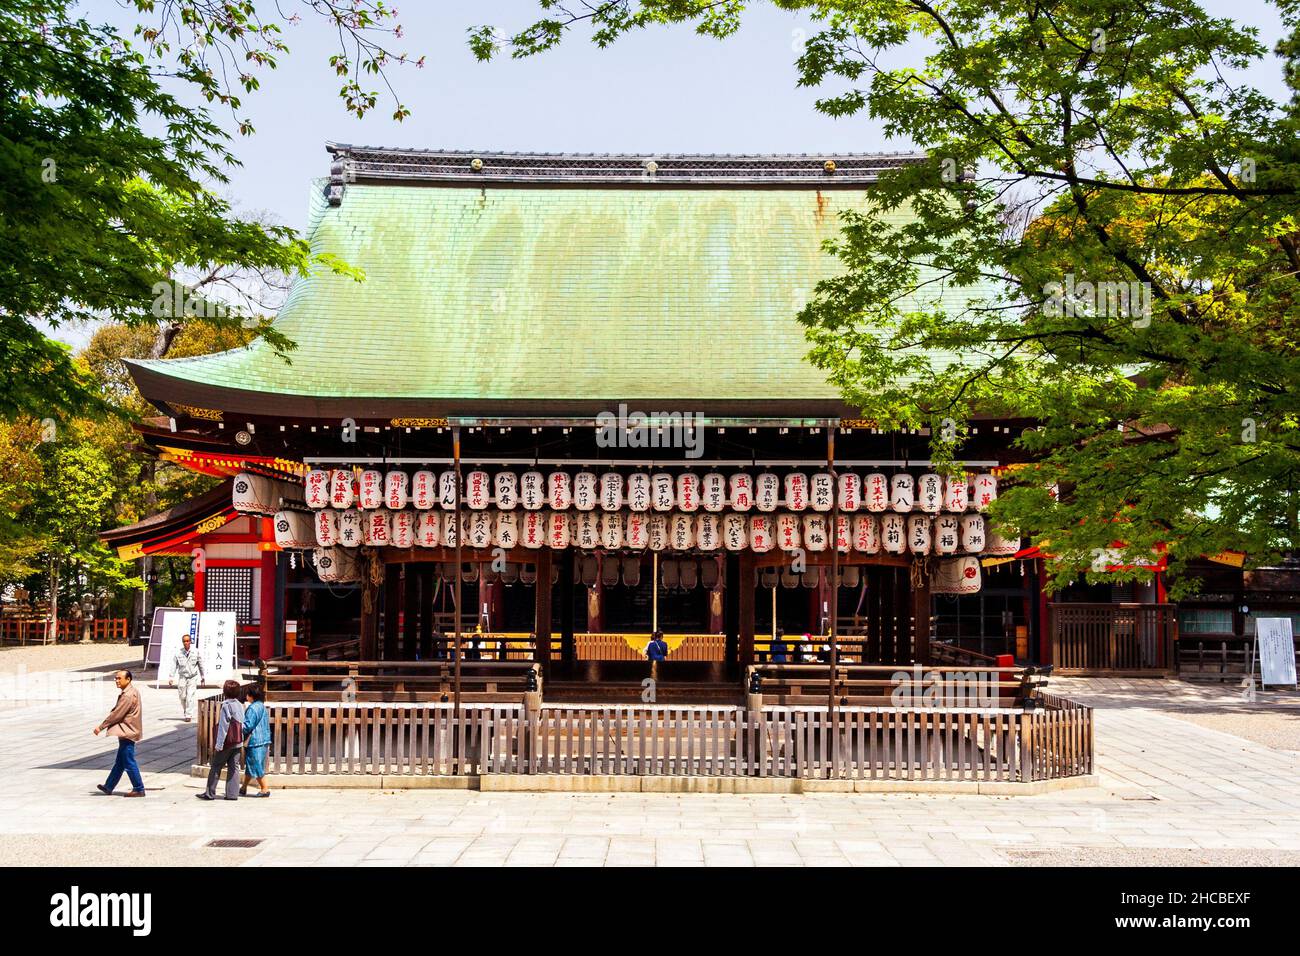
[(1190, 774)]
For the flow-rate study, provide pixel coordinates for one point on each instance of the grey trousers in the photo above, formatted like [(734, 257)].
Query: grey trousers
[(220, 759)]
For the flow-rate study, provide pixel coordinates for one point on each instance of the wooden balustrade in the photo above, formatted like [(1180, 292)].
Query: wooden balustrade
[(327, 680), (888, 685), (1115, 639), (33, 630)]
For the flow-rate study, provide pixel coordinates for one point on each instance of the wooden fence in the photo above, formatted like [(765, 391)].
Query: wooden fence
[(1112, 638), (784, 742), (36, 630)]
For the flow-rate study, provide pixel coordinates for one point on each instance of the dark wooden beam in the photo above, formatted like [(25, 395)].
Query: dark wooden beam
[(921, 619), (392, 602), (410, 610), (746, 586), (542, 617)]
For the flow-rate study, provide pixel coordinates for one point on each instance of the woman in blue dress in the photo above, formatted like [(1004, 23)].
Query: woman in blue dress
[(257, 735)]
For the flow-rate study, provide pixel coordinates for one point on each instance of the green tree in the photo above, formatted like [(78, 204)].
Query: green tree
[(1104, 243)]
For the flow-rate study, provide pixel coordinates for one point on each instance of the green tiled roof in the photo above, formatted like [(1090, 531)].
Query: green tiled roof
[(547, 293)]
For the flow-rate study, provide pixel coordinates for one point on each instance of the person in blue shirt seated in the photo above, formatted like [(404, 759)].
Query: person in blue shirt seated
[(780, 651), (657, 649)]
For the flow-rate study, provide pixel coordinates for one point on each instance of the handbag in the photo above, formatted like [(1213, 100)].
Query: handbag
[(234, 735)]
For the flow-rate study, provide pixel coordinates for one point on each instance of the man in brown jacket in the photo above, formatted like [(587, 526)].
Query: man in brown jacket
[(125, 722)]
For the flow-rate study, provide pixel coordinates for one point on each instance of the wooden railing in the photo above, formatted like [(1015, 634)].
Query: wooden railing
[(888, 685), (480, 681), (971, 744), (36, 630), (1112, 638)]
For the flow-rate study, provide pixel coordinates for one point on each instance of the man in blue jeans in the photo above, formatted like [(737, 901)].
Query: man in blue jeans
[(125, 722)]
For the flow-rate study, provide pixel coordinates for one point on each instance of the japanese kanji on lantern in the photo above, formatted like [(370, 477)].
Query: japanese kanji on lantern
[(316, 488), (584, 490), (796, 491), (428, 529), (761, 536), (505, 529), (902, 492), (638, 491), (956, 576), (375, 525), (955, 496), (586, 529), (767, 491), (734, 537), (533, 532), (918, 534), (821, 492), (681, 531), (713, 491), (866, 534), (478, 493), (740, 489), (396, 490), (657, 531), (893, 533), (447, 490), (850, 491), (294, 529), (844, 533), (506, 486), (661, 483), (370, 489), (532, 493), (972, 533), (450, 534), (558, 492), (814, 532), (875, 492), (611, 530), (341, 495), (984, 491), (424, 490), (707, 532), (637, 529), (479, 534), (557, 530), (611, 491), (947, 534), (929, 493), (403, 528), (688, 491), (327, 528), (787, 532)]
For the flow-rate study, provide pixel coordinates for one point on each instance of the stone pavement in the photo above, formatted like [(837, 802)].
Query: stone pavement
[(1168, 787)]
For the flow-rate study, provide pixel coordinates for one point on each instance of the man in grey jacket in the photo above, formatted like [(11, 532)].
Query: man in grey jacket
[(187, 675)]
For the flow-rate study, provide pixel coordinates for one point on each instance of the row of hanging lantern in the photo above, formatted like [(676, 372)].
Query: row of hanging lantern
[(641, 491), (675, 531)]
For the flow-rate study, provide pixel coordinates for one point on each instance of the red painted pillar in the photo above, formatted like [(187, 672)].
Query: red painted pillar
[(200, 586), (266, 629)]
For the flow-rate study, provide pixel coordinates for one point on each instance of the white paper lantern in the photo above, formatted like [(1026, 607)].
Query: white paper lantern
[(893, 533), (479, 534), (761, 534), (929, 493), (814, 532), (998, 544), (821, 492), (638, 491), (294, 529), (955, 494), (611, 491), (449, 531), (403, 528), (740, 488), (688, 491), (584, 490), (844, 533), (918, 534), (336, 565), (956, 576), (657, 530), (351, 534), (661, 484), (947, 534), (767, 491), (316, 488), (533, 532), (557, 530), (787, 532), (972, 533), (637, 532), (875, 492), (506, 486), (734, 537), (532, 492), (397, 488), (428, 529), (447, 490), (866, 534), (850, 492), (478, 490), (377, 532), (611, 530), (505, 529), (681, 531), (341, 494), (708, 528), (327, 528), (713, 491), (424, 490), (370, 489), (586, 531), (984, 491), (902, 492), (558, 493), (796, 491)]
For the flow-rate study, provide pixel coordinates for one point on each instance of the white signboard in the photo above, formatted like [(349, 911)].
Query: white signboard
[(1276, 646), (212, 632)]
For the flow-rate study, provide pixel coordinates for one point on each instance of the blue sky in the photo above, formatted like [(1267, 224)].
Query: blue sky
[(664, 90)]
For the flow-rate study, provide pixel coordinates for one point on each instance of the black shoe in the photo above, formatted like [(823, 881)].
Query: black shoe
[(229, 798), (103, 789), (204, 796)]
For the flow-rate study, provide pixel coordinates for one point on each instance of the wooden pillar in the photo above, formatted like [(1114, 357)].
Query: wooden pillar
[(410, 611), (745, 598), (369, 614), (921, 619), (392, 605), (542, 616), (266, 602), (425, 571), (902, 616), (568, 649), (729, 579)]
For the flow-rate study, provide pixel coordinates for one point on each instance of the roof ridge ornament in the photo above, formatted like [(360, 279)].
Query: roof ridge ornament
[(338, 177)]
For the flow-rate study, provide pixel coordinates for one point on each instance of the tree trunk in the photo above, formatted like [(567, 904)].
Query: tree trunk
[(52, 631)]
